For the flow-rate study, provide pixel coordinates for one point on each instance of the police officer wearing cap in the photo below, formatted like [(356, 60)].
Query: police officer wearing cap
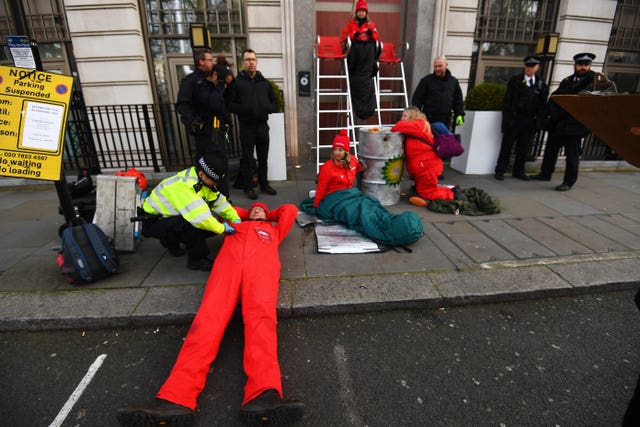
[(523, 102), (185, 209), (566, 131), (202, 109)]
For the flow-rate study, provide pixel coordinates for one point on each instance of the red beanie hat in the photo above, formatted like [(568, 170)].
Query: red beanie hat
[(362, 4), (342, 140), (260, 205)]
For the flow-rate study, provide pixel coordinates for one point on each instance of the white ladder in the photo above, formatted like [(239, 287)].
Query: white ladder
[(332, 95), (391, 85)]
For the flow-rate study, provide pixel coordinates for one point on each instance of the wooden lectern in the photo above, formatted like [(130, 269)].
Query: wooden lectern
[(611, 118)]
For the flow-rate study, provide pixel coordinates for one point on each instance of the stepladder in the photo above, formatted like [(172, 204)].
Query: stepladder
[(391, 84), (333, 103)]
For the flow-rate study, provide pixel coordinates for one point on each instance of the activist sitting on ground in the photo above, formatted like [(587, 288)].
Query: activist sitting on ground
[(336, 200), (423, 164)]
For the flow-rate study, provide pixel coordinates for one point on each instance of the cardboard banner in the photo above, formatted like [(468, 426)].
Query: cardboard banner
[(611, 118), (33, 116)]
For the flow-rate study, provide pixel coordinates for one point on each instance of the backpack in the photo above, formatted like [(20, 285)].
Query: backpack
[(86, 254), (445, 145)]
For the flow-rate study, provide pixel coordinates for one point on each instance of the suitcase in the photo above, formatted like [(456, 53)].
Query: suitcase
[(86, 254)]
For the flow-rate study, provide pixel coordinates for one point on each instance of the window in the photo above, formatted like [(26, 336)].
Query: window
[(507, 31), (168, 32)]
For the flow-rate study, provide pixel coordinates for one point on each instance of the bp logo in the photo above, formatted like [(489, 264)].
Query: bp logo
[(392, 170)]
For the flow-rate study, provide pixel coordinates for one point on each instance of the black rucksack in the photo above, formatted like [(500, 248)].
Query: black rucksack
[(86, 255)]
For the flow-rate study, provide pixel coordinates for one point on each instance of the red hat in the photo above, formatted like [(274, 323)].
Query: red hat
[(362, 4), (342, 140), (260, 205)]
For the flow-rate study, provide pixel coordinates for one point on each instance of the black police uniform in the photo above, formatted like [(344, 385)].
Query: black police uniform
[(565, 130), (202, 109), (523, 102)]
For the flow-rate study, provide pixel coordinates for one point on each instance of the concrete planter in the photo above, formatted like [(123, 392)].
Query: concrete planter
[(277, 162), (481, 138)]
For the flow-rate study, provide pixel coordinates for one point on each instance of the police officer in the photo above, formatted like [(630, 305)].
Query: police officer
[(202, 109), (565, 130), (523, 102), (182, 209)]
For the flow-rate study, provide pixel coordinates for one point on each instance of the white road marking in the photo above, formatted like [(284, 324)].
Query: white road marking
[(346, 386), (75, 396)]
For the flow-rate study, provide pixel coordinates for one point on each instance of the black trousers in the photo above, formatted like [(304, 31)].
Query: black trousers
[(175, 229), (520, 133), (253, 137), (442, 118), (571, 144)]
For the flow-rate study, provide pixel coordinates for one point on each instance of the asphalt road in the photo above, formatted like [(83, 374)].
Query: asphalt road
[(551, 362)]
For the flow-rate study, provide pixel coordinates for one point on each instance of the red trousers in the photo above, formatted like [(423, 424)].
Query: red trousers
[(247, 269), (425, 172)]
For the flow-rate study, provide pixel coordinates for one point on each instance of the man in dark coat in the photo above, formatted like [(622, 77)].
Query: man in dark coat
[(524, 100), (253, 100), (439, 94), (201, 106), (565, 130)]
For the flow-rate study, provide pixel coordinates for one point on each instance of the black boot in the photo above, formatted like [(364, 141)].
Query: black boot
[(458, 193), (269, 408), (159, 413)]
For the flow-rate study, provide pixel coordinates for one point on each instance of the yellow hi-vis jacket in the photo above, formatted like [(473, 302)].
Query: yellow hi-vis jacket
[(176, 196)]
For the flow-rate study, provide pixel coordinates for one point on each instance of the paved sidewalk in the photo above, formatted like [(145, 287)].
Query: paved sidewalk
[(544, 243)]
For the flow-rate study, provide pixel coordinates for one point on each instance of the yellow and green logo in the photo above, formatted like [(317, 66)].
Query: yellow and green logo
[(392, 170)]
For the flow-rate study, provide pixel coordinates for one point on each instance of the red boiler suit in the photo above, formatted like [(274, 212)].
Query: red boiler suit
[(334, 178), (247, 269), (423, 164), (352, 27)]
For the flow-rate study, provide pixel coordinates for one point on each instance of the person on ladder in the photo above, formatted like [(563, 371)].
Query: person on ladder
[(362, 60)]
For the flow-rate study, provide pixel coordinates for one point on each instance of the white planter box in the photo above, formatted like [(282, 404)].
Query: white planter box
[(481, 138), (277, 162)]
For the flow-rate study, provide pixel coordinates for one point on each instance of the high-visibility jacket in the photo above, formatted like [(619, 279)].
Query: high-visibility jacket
[(176, 195)]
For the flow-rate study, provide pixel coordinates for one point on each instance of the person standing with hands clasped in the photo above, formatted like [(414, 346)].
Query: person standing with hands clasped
[(566, 131), (201, 106), (523, 103), (438, 95), (252, 100), (246, 271)]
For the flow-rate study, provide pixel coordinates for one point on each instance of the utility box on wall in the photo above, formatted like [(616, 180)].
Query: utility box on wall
[(117, 198)]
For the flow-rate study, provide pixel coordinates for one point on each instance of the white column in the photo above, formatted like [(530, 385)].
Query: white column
[(109, 49), (584, 26), (453, 33)]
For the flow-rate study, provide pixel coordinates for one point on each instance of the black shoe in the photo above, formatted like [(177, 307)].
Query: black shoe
[(458, 193), (204, 264), (270, 409), (499, 176), (173, 247), (563, 187), (250, 193), (521, 176), (540, 177), (268, 189), (160, 412)]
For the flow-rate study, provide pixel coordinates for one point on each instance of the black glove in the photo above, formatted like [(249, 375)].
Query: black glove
[(356, 34), (196, 127), (369, 33)]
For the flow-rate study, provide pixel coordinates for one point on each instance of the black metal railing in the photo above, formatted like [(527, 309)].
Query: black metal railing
[(123, 136)]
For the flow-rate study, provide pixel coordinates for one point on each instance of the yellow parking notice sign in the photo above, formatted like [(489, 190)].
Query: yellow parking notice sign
[(33, 116)]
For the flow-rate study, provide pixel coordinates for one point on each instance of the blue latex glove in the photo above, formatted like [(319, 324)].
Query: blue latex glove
[(459, 121), (236, 221), (228, 228)]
